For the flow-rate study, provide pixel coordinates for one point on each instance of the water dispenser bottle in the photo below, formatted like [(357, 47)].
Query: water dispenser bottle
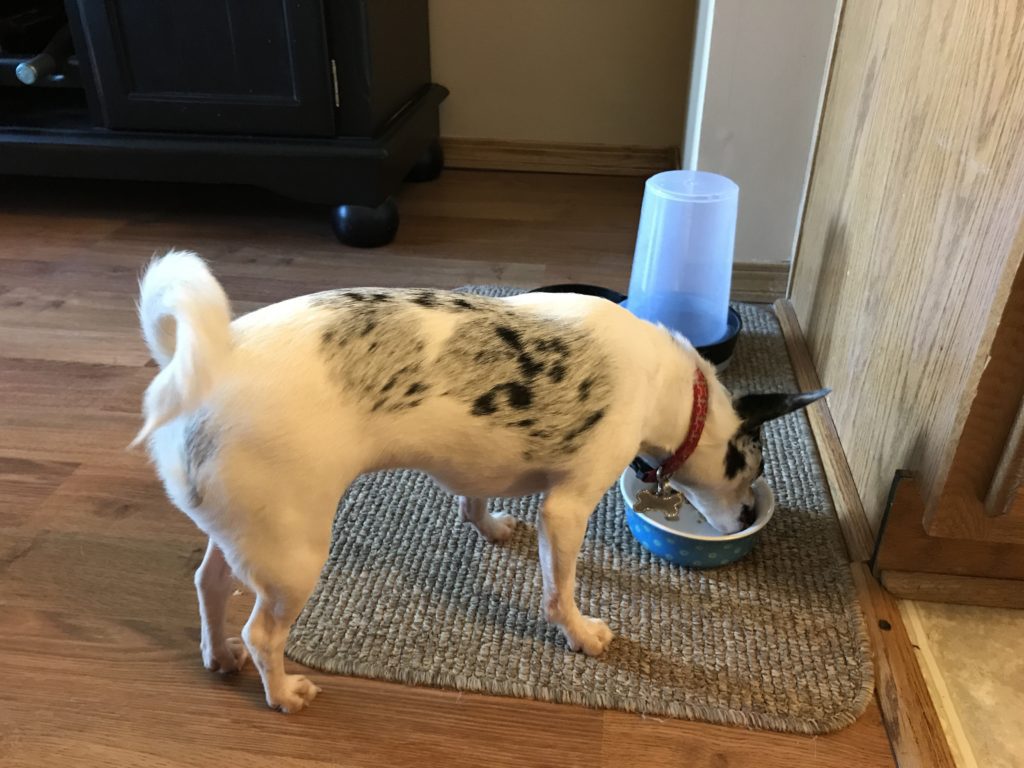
[(682, 266)]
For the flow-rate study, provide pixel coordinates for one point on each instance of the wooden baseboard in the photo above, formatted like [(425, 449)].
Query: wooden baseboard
[(759, 283), (857, 530), (947, 588), (908, 711), (552, 157)]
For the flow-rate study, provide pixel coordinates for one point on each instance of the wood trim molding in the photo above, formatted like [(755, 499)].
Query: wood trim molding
[(759, 283), (554, 157), (908, 711), (947, 588), (857, 531)]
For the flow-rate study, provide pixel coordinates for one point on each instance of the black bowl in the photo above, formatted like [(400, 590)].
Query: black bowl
[(582, 288), (718, 354)]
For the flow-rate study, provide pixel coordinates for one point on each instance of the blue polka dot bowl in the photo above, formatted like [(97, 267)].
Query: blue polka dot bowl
[(690, 540)]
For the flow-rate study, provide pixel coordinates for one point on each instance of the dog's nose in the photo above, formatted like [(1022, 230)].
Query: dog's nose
[(747, 515)]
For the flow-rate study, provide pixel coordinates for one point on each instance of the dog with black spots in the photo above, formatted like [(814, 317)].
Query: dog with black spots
[(258, 424)]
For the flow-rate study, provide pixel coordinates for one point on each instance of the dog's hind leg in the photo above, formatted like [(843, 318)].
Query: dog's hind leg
[(265, 634), (213, 585), (561, 527), (281, 557), (280, 595), (494, 528)]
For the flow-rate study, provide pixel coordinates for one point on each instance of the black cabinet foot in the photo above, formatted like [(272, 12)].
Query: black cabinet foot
[(429, 165), (364, 227)]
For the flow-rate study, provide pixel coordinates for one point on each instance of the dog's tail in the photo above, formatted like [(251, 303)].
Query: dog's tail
[(185, 317)]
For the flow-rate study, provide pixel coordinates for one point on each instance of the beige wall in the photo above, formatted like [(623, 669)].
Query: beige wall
[(591, 71), (766, 78)]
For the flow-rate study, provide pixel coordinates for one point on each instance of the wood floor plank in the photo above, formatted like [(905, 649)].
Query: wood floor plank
[(906, 704), (119, 497), (668, 743), (98, 621), (27, 483), (356, 724)]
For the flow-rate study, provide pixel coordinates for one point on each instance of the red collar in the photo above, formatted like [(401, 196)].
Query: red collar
[(698, 418)]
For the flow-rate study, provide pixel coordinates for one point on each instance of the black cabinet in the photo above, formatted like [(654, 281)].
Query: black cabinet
[(376, 78), (248, 67), (327, 101)]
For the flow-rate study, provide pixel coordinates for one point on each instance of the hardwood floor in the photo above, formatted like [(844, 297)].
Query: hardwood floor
[(99, 657)]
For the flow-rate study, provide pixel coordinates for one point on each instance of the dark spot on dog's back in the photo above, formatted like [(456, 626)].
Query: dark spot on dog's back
[(510, 337), (586, 426), (461, 303), (529, 366), (415, 388), (484, 405), (426, 299), (735, 461), (380, 298), (556, 372), (524, 423), (519, 396), (368, 328), (584, 389)]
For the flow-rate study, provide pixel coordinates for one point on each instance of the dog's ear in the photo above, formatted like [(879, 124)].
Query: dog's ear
[(755, 410)]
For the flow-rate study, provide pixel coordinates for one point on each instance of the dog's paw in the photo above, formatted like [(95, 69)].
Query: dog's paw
[(497, 528), (592, 636), (227, 659), (295, 693)]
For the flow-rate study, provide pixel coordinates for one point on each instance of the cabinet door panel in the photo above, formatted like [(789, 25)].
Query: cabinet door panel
[(210, 66)]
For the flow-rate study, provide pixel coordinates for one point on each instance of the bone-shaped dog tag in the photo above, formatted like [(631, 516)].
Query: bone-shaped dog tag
[(668, 504)]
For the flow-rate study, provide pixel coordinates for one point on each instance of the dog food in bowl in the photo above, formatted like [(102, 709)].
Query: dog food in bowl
[(690, 540)]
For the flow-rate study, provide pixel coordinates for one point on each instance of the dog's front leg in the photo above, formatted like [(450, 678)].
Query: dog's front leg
[(562, 524), (213, 585)]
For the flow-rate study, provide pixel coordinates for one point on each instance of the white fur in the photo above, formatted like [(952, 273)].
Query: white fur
[(289, 444), (185, 318)]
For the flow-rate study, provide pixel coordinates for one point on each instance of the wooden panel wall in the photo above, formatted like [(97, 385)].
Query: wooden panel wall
[(906, 254)]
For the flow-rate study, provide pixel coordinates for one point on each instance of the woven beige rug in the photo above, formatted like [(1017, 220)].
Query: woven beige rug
[(774, 641)]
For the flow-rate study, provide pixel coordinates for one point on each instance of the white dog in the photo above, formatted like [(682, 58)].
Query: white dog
[(258, 425)]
